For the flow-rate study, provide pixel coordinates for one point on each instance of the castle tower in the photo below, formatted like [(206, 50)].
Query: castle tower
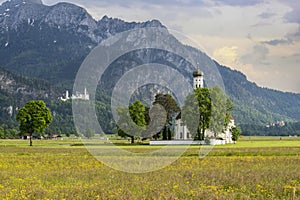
[(86, 95), (198, 79)]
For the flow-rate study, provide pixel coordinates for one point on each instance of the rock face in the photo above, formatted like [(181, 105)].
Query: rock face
[(65, 16), (50, 42), (15, 86)]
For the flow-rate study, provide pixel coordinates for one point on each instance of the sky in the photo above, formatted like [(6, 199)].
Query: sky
[(260, 38)]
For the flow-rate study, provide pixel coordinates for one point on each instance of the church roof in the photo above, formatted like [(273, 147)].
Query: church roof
[(198, 72), (178, 116)]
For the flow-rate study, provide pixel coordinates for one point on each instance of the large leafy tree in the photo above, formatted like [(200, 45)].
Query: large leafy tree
[(171, 108), (34, 117), (137, 113), (229, 107), (206, 108), (89, 133), (220, 110), (236, 132), (131, 121), (196, 112)]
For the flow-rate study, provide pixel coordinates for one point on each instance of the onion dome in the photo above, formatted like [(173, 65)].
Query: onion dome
[(197, 73)]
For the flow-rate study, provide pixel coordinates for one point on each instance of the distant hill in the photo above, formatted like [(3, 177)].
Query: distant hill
[(257, 105), (47, 44)]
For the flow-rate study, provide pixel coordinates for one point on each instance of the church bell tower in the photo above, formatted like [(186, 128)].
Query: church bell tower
[(198, 79)]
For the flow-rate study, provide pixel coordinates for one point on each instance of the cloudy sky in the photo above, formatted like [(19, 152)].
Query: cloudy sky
[(261, 38)]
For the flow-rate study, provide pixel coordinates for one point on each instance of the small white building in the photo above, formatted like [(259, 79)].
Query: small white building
[(85, 96)]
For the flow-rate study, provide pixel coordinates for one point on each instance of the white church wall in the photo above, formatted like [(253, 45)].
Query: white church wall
[(181, 132), (186, 142)]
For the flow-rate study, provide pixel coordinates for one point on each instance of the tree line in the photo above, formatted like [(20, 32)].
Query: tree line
[(290, 128), (205, 108)]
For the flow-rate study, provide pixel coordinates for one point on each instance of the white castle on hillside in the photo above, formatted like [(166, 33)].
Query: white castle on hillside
[(181, 131), (85, 96)]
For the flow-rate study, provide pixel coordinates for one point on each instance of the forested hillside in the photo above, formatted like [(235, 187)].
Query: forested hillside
[(257, 105)]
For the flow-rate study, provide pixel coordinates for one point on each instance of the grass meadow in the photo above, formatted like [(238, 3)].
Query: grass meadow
[(254, 168)]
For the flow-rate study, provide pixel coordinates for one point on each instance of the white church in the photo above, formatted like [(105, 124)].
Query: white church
[(181, 132)]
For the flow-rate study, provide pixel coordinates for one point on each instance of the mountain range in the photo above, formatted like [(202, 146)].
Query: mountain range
[(42, 48)]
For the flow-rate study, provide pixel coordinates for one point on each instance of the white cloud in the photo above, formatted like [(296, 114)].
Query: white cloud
[(226, 55), (293, 16), (239, 3)]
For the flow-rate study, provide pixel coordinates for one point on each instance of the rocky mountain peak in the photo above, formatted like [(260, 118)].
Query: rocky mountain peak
[(66, 13), (18, 3), (13, 13), (64, 16)]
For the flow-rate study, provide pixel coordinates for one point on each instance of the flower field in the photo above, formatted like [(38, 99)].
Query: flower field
[(56, 170)]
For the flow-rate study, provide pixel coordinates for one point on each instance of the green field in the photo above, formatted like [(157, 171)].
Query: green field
[(254, 168)]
